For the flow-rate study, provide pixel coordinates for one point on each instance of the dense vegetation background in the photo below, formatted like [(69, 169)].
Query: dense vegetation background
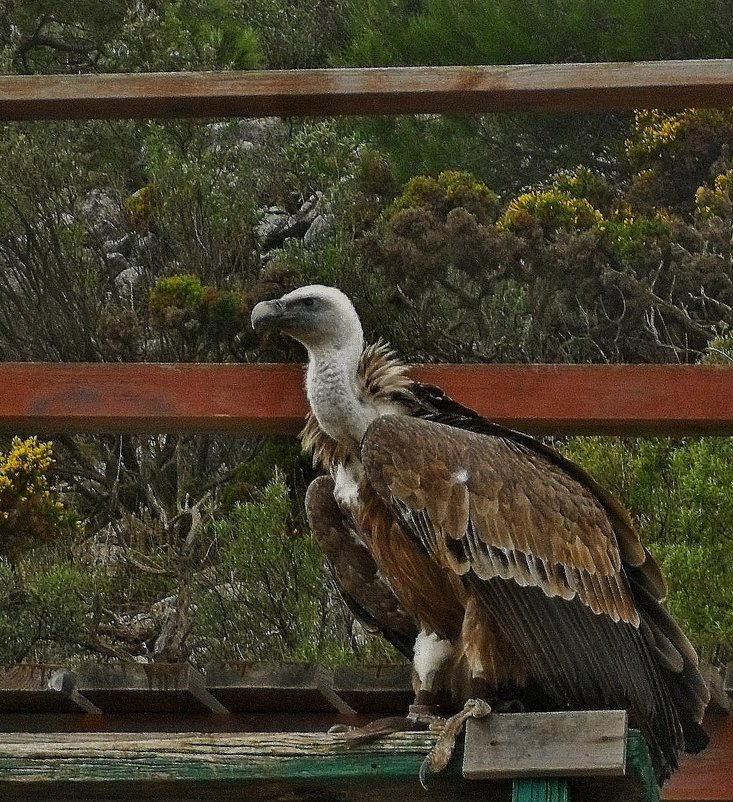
[(565, 238)]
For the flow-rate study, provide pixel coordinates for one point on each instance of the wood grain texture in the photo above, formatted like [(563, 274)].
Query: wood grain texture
[(240, 399), (200, 757), (567, 744), (276, 766), (396, 90), (536, 789), (146, 687)]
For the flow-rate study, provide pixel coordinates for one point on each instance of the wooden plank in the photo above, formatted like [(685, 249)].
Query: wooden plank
[(176, 756), (565, 744), (375, 688), (48, 398), (395, 90), (277, 766), (536, 789), (146, 687), (260, 687), (35, 688)]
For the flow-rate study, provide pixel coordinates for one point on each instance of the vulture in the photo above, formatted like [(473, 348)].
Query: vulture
[(500, 567)]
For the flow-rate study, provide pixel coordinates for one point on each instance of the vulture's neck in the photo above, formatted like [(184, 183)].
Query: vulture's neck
[(334, 391)]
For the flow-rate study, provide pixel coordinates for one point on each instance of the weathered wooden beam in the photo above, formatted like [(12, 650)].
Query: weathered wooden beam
[(274, 766), (396, 90), (146, 687), (260, 687), (49, 398), (564, 744)]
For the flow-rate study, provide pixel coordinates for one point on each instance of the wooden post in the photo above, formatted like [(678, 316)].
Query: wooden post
[(537, 789)]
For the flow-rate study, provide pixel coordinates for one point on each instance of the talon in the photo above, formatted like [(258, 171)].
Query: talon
[(439, 756)]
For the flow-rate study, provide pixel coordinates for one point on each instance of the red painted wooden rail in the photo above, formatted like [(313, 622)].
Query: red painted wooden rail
[(237, 399)]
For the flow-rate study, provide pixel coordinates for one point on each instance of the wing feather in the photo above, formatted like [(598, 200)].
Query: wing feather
[(515, 514), (367, 595)]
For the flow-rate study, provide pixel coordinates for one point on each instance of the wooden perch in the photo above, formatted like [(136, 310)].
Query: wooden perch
[(275, 766)]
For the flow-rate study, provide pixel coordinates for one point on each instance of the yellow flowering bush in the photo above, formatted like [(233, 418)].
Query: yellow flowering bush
[(655, 132), (30, 510), (451, 189), (630, 236), (718, 201), (552, 210)]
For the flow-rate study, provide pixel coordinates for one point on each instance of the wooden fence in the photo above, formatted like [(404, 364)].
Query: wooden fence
[(237, 399)]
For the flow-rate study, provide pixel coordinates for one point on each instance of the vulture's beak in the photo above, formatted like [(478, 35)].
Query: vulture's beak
[(267, 315)]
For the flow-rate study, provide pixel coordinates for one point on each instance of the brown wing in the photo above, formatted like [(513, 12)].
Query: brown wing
[(493, 507), (541, 551), (366, 594), (431, 403)]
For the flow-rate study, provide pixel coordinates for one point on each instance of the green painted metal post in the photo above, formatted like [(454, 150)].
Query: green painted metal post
[(540, 789)]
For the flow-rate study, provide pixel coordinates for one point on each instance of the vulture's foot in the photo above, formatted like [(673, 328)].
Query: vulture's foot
[(438, 757)]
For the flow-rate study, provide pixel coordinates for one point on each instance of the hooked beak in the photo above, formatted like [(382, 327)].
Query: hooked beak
[(267, 315)]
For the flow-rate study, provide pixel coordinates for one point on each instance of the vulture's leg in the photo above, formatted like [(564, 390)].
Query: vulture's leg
[(431, 656), (438, 757)]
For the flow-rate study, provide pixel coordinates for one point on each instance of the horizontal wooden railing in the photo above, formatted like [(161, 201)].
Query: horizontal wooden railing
[(395, 90), (239, 399)]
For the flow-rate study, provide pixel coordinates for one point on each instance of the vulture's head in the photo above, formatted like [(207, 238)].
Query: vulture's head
[(318, 317)]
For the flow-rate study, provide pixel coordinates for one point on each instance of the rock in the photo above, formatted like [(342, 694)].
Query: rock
[(116, 262), (102, 212), (128, 279), (274, 227), (318, 230), (256, 129), (123, 245)]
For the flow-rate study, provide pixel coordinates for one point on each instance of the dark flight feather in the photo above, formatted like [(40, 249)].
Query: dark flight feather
[(553, 560), (365, 593)]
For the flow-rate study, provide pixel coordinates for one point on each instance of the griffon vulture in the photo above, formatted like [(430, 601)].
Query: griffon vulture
[(526, 578)]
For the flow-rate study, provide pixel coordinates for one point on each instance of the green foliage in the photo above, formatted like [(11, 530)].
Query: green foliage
[(501, 32), (585, 184), (679, 494), (182, 292), (631, 238), (43, 612), (675, 152), (183, 304), (450, 190), (718, 201), (268, 597)]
